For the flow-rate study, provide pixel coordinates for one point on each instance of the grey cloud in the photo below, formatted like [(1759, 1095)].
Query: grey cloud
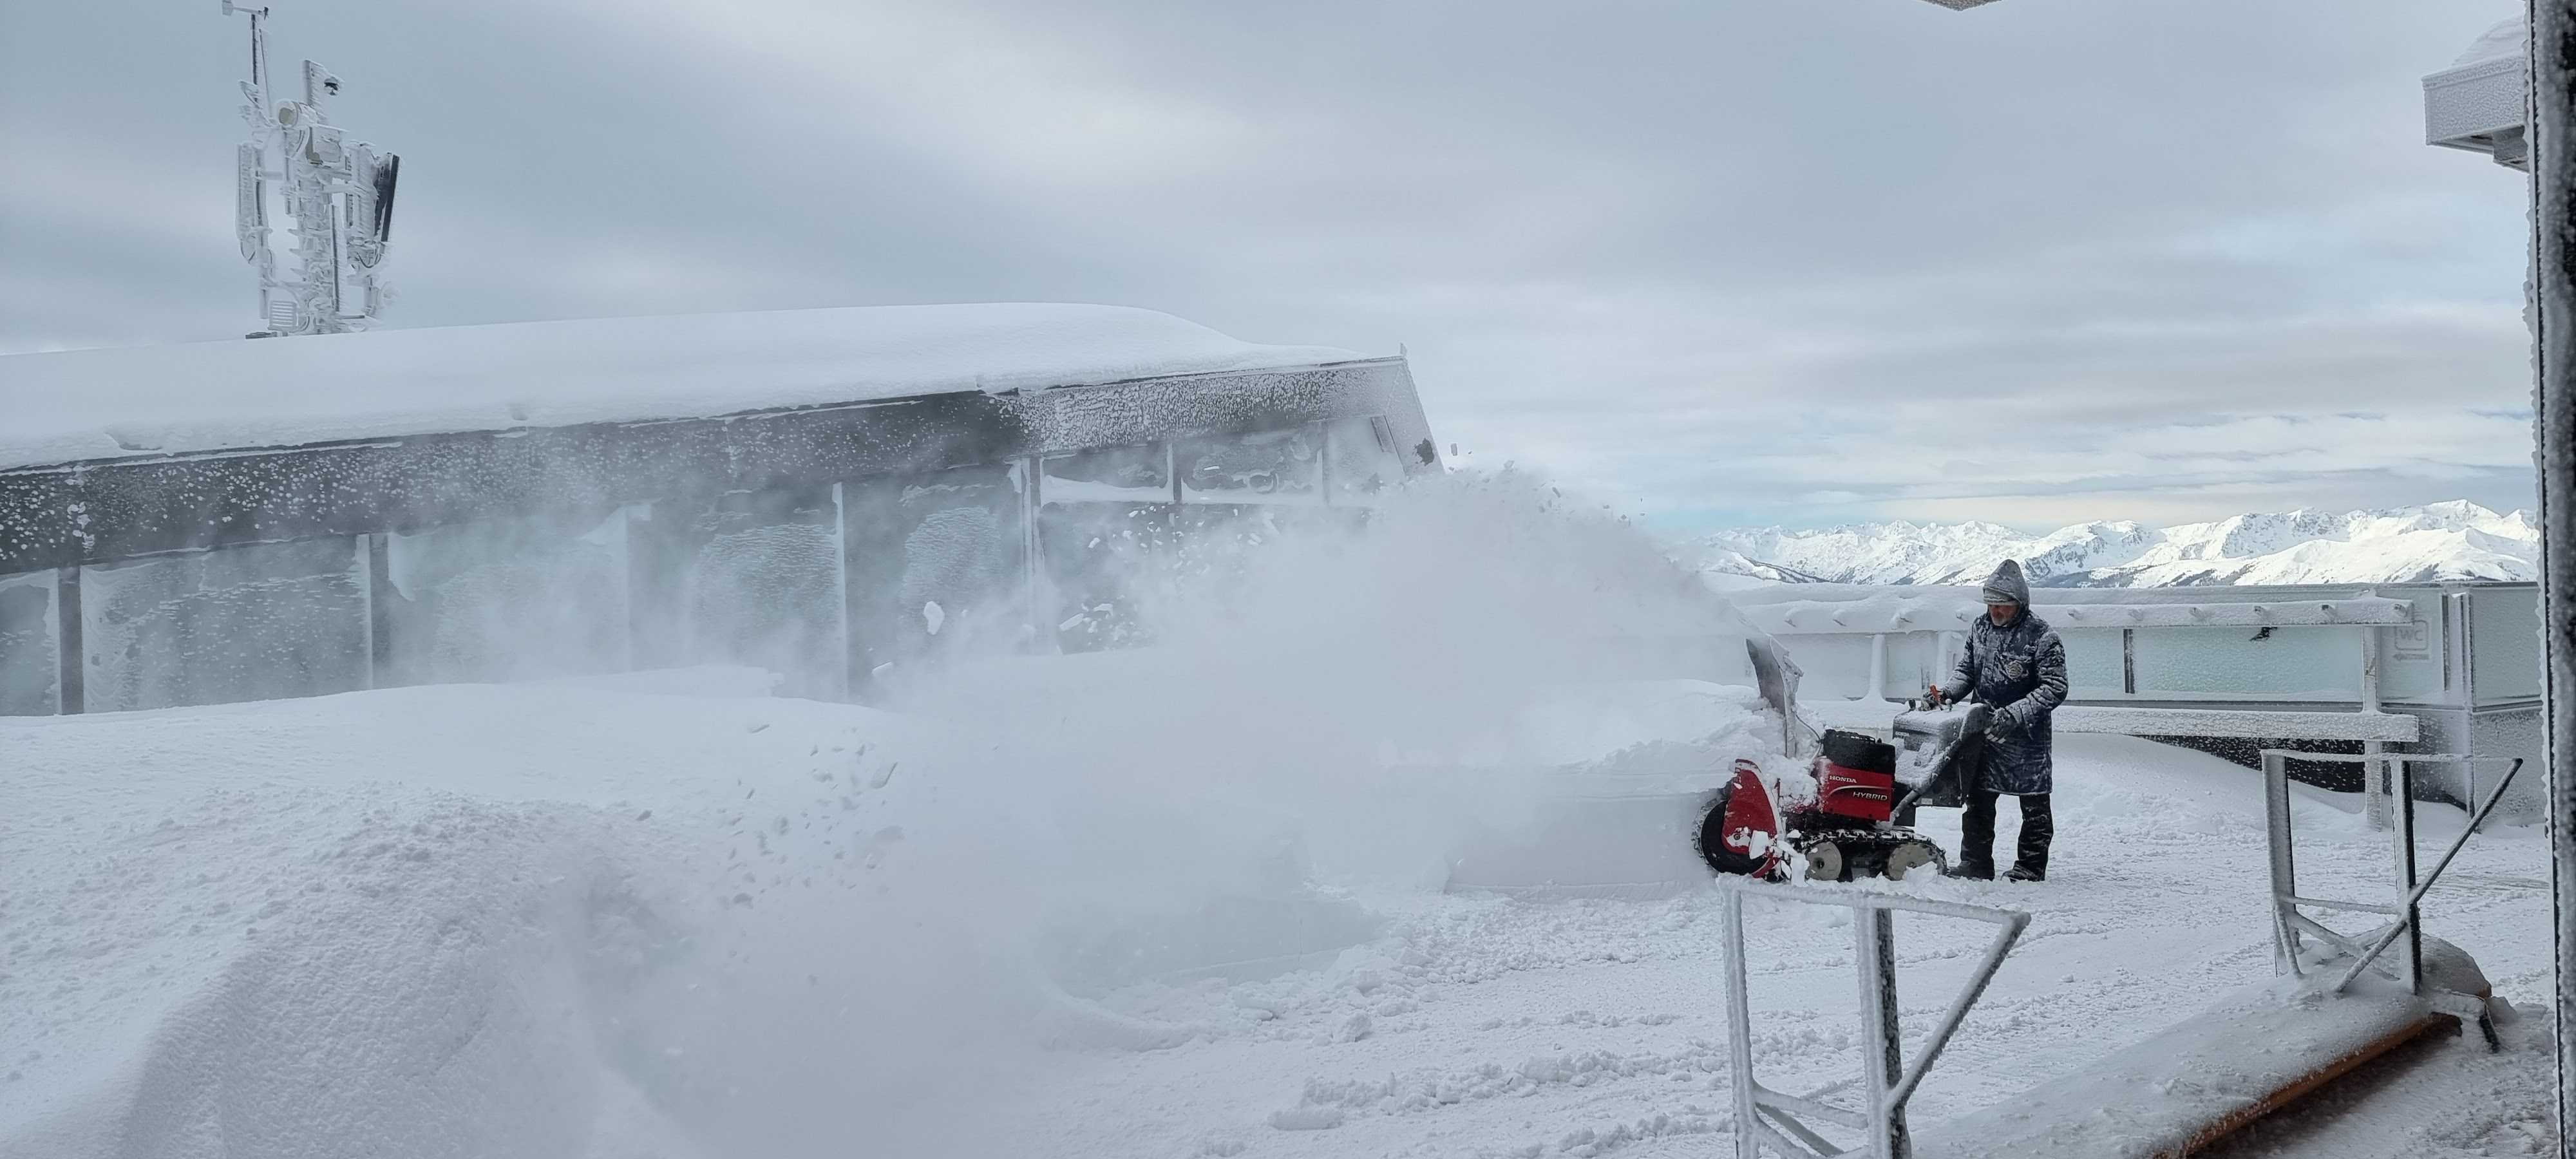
[(1754, 259)]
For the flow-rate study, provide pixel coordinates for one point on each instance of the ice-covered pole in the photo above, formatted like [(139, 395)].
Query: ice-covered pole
[(2553, 325)]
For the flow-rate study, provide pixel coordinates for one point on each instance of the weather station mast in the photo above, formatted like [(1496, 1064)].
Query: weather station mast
[(337, 198)]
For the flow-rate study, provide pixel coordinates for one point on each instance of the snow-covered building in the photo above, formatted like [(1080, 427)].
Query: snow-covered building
[(821, 493)]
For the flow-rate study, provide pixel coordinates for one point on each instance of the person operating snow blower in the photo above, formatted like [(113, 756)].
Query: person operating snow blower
[(2016, 665)]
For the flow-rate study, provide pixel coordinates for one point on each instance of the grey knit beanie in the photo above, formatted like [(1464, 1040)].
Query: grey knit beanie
[(2007, 586)]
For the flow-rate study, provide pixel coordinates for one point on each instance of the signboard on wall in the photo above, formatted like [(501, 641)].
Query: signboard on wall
[(2413, 641)]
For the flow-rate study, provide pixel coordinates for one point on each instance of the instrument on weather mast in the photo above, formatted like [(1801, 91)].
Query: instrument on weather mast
[(337, 197)]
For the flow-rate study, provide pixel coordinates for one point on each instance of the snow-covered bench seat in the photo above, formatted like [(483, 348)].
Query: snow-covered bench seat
[(2263, 724), (2125, 720), (2252, 1052)]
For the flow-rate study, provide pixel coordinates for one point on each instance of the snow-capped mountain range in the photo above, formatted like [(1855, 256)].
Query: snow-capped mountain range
[(2441, 541)]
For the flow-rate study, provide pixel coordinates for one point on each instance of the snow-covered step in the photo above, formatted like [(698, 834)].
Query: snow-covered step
[(2259, 724), (2250, 1053)]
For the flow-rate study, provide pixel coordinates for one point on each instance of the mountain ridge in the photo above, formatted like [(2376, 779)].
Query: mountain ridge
[(2451, 540)]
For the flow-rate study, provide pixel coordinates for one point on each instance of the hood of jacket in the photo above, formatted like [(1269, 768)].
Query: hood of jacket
[(2007, 586)]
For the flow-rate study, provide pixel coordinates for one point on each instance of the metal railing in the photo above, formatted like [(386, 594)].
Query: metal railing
[(2404, 930), (2257, 715), (1766, 1116)]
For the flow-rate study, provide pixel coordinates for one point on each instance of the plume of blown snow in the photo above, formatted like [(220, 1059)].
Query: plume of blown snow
[(665, 921), (1302, 687)]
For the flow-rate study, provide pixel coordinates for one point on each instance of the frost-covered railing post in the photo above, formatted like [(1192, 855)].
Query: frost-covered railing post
[(2404, 929), (2553, 322), (1767, 1117), (2375, 780)]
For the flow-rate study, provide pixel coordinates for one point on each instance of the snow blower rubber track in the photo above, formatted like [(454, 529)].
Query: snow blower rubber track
[(1849, 854)]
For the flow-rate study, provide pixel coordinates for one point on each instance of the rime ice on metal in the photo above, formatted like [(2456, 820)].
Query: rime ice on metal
[(338, 200)]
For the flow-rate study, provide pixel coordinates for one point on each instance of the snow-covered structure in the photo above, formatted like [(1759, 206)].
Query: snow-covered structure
[(2451, 667), (2482, 102), (820, 492), (338, 195)]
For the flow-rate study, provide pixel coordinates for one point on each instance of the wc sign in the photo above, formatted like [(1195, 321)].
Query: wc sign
[(2413, 641)]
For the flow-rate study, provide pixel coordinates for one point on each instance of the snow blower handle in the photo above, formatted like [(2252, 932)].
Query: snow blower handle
[(1942, 763), (1933, 699)]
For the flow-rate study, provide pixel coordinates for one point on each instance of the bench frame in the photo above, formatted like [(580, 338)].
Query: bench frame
[(2405, 926), (1778, 1120), (1763, 1115)]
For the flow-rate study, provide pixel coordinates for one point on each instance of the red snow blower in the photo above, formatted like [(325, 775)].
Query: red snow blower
[(1859, 820)]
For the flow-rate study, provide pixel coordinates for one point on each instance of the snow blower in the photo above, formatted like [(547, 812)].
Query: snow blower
[(1859, 820)]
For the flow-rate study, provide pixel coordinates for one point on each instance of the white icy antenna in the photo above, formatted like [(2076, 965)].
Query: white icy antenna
[(337, 196)]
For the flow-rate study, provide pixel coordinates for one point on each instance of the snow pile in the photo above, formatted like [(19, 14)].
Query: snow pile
[(451, 920), (2441, 541), (210, 396)]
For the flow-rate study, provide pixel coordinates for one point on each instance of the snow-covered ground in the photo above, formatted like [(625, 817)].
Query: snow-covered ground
[(570, 921), (1180, 901), (1478, 1026)]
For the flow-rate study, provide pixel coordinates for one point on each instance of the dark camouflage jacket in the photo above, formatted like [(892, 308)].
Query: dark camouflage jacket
[(2019, 670)]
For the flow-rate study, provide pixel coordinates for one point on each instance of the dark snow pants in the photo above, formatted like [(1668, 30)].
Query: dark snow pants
[(1977, 835)]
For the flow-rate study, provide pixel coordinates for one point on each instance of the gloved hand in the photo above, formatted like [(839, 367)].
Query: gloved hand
[(1932, 696), (2004, 722)]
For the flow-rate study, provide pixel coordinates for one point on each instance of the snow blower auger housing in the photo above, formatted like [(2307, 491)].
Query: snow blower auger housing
[(1860, 821)]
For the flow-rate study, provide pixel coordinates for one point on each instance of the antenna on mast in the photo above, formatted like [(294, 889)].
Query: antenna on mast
[(338, 198)]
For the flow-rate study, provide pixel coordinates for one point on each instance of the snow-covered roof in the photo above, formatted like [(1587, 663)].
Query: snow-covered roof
[(2503, 42), (2478, 102), (214, 396)]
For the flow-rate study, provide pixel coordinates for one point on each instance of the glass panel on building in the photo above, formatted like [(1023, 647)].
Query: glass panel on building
[(1364, 460), (29, 662), (750, 578), (1264, 467), (1133, 474), (506, 599), (237, 623), (2249, 663)]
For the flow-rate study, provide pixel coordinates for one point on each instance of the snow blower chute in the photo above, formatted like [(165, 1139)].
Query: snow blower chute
[(1859, 820)]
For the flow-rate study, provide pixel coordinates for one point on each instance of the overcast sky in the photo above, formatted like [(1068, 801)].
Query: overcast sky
[(1717, 261)]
